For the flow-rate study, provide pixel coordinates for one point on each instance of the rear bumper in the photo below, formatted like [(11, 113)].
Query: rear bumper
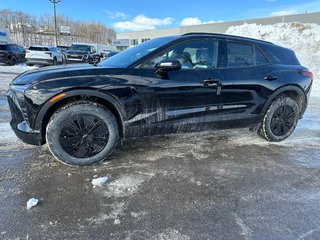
[(39, 61)]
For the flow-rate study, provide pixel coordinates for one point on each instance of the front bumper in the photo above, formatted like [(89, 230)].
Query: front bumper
[(19, 119)]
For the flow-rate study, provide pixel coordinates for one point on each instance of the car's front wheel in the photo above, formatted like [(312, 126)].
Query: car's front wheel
[(280, 120), (82, 133)]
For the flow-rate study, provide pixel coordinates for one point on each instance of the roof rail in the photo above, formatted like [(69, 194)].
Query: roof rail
[(225, 35)]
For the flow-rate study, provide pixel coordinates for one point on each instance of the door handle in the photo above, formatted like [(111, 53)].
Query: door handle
[(213, 82), (271, 78)]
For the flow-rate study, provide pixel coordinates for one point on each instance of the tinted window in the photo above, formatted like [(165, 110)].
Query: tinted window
[(3, 47), (196, 54), (260, 58), (79, 47), (12, 47), (240, 55), (38, 49), (281, 55)]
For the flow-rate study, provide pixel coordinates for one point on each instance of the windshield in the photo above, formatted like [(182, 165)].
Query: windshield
[(82, 48), (131, 55)]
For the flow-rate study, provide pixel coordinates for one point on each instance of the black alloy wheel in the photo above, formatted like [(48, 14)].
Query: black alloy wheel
[(280, 120), (82, 133)]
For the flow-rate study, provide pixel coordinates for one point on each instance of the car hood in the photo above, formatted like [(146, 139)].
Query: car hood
[(59, 72)]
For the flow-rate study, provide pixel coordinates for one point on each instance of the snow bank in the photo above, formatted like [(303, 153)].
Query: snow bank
[(17, 69), (304, 39)]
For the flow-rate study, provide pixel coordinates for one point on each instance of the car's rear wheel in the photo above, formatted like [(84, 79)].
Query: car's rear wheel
[(82, 133), (280, 120)]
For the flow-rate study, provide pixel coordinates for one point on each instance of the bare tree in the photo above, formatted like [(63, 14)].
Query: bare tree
[(29, 30)]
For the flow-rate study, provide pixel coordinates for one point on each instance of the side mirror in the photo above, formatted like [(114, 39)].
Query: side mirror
[(167, 65), (93, 51)]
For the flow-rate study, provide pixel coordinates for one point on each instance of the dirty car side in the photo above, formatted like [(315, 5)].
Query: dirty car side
[(145, 100)]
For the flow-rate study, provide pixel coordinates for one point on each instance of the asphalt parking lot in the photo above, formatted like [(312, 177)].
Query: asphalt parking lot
[(226, 184)]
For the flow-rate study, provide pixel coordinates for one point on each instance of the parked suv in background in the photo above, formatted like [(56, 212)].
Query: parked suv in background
[(82, 53), (191, 82), (11, 54), (44, 55)]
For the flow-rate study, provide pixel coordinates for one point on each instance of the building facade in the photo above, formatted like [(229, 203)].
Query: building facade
[(128, 39), (4, 36)]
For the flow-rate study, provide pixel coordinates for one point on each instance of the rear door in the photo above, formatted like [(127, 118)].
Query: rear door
[(248, 79), (187, 96)]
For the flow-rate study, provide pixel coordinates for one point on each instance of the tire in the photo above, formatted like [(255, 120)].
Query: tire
[(54, 61), (13, 61), (280, 120), (82, 133)]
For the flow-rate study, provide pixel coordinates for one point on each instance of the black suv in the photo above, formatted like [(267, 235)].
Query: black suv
[(11, 54), (180, 83), (81, 53)]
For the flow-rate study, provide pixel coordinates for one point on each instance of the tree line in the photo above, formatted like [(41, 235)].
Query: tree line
[(26, 29)]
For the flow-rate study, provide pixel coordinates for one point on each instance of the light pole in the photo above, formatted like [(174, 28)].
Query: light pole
[(55, 18)]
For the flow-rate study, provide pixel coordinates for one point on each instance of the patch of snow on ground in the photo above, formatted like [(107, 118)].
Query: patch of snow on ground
[(126, 185), (98, 182), (170, 234), (17, 69), (116, 211)]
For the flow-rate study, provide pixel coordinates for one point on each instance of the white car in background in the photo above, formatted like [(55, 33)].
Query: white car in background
[(44, 55)]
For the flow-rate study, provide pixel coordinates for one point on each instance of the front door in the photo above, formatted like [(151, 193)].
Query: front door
[(189, 96)]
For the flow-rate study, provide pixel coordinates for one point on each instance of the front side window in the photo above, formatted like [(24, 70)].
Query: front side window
[(195, 54), (240, 55)]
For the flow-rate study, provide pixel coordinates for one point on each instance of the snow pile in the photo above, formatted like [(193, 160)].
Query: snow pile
[(303, 38), (98, 182), (32, 202)]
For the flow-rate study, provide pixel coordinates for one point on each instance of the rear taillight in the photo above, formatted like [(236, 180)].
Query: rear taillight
[(307, 74), (50, 53)]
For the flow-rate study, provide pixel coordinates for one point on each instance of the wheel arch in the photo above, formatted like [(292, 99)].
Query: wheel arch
[(106, 100), (293, 91)]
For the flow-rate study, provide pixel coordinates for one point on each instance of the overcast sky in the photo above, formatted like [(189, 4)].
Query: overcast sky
[(133, 15)]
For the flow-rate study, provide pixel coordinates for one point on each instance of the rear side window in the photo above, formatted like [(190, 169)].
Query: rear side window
[(43, 49), (240, 55), (280, 55)]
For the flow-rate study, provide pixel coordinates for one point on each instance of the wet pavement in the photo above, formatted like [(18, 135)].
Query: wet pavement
[(215, 185)]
